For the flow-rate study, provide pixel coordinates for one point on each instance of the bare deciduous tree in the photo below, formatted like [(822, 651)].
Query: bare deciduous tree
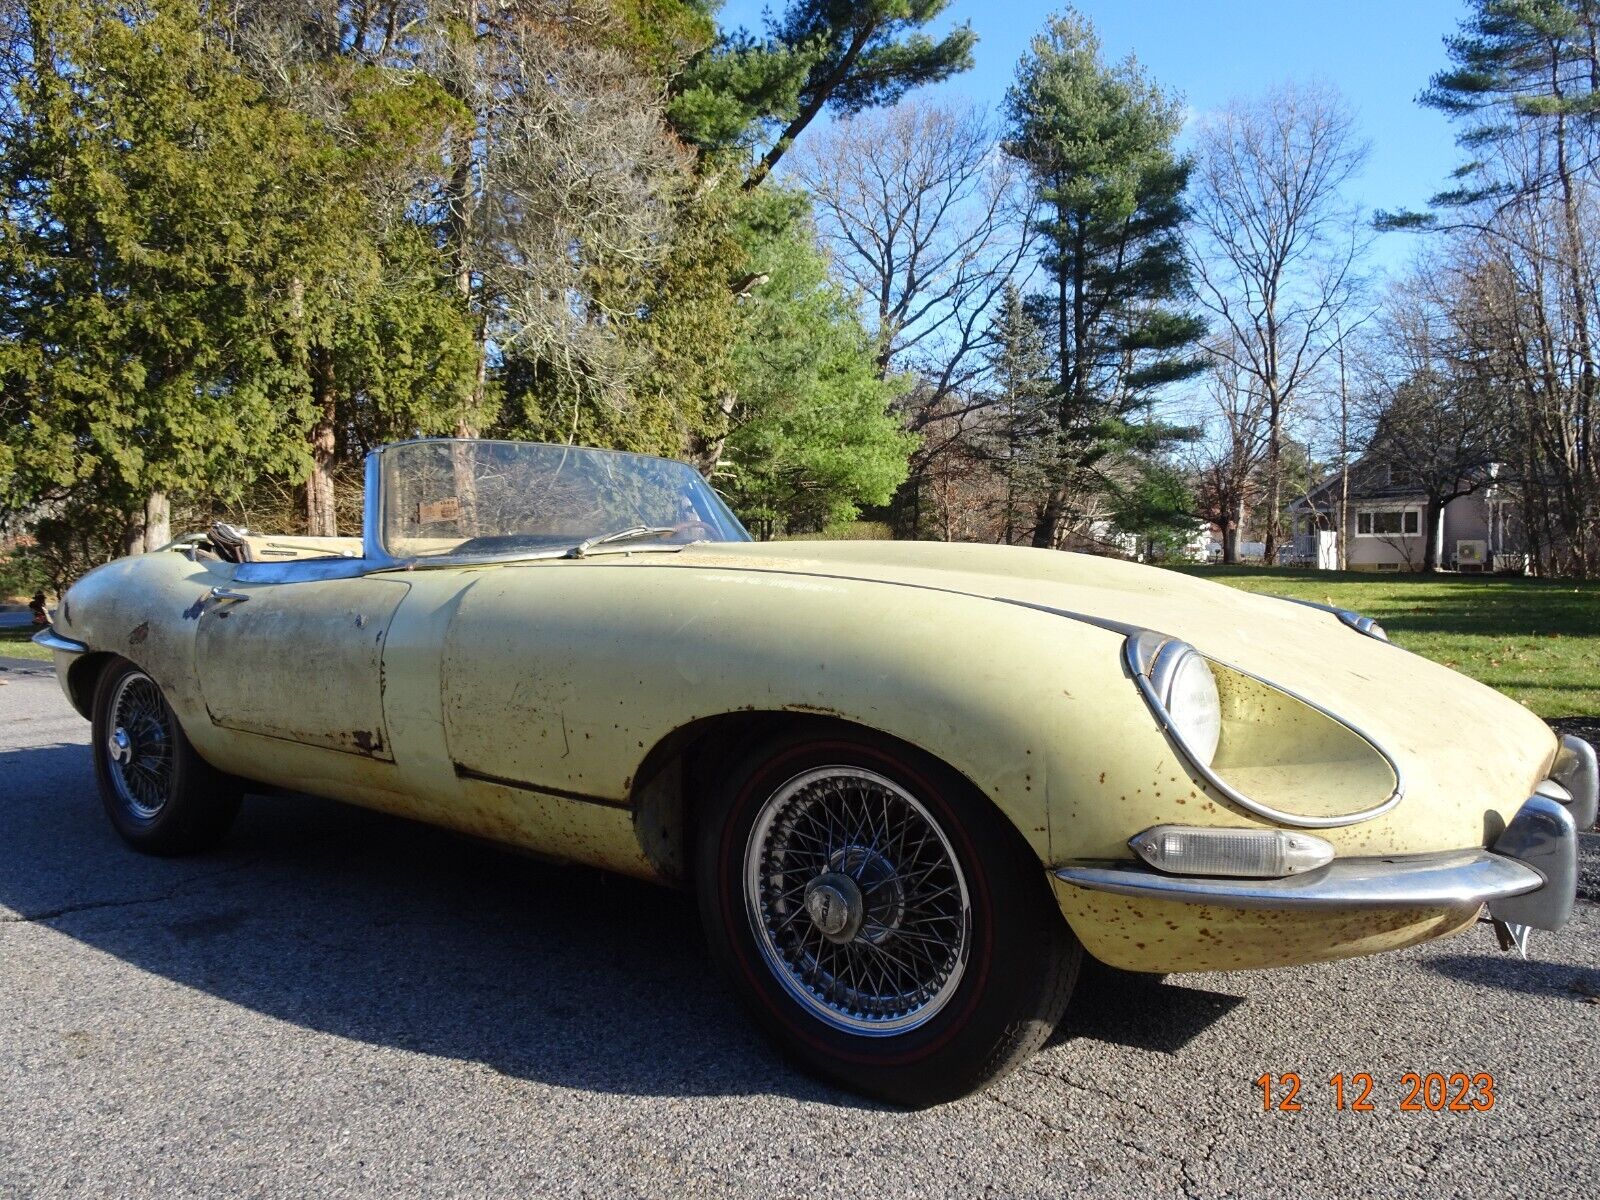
[(1529, 260), (1275, 245), (1438, 420), (1227, 463), (557, 160), (569, 165), (923, 217)]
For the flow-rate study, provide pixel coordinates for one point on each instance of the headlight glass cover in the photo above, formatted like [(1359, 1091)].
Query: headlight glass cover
[(1183, 681), (1271, 751)]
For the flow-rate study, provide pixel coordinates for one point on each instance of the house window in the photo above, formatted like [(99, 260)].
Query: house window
[(1389, 522)]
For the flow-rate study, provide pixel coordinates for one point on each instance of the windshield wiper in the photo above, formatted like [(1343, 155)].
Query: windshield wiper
[(620, 535)]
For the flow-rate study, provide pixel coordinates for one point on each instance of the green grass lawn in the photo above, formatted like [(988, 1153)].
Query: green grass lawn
[(1537, 640), (17, 643)]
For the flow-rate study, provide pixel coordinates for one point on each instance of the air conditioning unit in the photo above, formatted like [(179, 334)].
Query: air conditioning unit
[(1472, 553)]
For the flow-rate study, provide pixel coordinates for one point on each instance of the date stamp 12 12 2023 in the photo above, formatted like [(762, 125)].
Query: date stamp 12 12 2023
[(1431, 1091)]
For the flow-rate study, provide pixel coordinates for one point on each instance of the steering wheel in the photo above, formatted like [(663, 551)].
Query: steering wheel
[(705, 532)]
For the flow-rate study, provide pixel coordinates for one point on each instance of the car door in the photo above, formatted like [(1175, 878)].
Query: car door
[(299, 659)]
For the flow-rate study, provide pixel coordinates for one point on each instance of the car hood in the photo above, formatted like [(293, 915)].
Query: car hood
[(1464, 734)]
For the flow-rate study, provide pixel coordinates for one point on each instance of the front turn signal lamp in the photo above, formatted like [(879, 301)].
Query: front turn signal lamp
[(1234, 853)]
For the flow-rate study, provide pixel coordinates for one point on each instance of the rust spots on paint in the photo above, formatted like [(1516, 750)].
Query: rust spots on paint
[(366, 741), (140, 632), (820, 710)]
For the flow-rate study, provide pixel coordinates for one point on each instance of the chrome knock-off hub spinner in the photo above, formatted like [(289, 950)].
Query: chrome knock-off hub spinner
[(857, 900), (835, 906)]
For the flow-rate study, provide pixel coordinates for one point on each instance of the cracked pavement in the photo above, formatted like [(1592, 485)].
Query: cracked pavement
[(337, 1003)]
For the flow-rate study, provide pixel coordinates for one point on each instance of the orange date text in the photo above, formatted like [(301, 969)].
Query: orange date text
[(1356, 1091)]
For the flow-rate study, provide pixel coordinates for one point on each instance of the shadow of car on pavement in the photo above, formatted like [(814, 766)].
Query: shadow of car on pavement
[(366, 926)]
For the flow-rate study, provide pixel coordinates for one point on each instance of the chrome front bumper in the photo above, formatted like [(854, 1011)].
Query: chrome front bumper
[(1529, 877), (1455, 879), (51, 640)]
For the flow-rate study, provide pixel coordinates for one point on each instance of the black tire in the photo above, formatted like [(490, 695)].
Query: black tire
[(161, 796), (1018, 959)]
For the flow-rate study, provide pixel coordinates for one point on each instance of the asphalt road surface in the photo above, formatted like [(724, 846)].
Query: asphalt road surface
[(342, 1004)]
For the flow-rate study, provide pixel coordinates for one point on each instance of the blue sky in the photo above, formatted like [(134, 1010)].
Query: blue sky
[(1379, 54)]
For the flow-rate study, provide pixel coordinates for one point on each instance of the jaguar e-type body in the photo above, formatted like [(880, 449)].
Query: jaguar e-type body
[(911, 782)]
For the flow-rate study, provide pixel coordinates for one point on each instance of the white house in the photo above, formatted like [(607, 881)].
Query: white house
[(1386, 524)]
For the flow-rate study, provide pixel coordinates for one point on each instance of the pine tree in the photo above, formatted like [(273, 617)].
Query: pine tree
[(843, 55), (813, 437), (152, 211), (1017, 432), (1099, 140)]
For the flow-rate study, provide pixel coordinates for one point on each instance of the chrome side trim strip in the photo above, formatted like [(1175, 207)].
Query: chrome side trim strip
[(308, 570), (1453, 879), (51, 640), (1140, 652), (1355, 620)]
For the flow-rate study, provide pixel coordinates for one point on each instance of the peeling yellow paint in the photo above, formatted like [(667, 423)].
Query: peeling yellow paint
[(1165, 936), (519, 703)]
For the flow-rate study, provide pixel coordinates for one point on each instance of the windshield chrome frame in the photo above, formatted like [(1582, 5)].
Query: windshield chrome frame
[(374, 511), (375, 557)]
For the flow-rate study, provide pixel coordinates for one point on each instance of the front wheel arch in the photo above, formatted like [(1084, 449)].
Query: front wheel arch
[(83, 678), (668, 791)]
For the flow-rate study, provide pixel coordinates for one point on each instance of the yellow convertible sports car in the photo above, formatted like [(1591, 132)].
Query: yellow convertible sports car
[(911, 783)]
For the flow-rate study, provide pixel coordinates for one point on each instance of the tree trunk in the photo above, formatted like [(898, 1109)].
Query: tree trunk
[(467, 148), (157, 521), (321, 520), (1343, 542), (1274, 477), (1044, 532), (705, 450), (468, 424), (1435, 535), (1231, 531), (1341, 538), (133, 536)]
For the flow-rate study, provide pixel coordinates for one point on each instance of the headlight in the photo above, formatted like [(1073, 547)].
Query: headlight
[(1286, 759), (1182, 688)]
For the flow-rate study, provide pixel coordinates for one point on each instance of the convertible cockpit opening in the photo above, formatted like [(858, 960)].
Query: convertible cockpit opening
[(472, 500), (232, 544), (453, 501)]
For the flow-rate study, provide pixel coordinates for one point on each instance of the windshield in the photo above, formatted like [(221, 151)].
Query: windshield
[(462, 499)]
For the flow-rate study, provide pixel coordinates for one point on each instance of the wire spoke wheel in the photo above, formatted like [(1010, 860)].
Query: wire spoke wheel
[(140, 745), (857, 901)]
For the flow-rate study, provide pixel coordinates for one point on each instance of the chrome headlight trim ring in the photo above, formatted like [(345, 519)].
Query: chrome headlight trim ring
[(1142, 651)]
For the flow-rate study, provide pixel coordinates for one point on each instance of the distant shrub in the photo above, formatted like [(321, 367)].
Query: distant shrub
[(22, 573), (849, 531)]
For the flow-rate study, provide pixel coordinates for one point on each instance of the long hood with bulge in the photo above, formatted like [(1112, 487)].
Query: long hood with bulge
[(1467, 752)]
